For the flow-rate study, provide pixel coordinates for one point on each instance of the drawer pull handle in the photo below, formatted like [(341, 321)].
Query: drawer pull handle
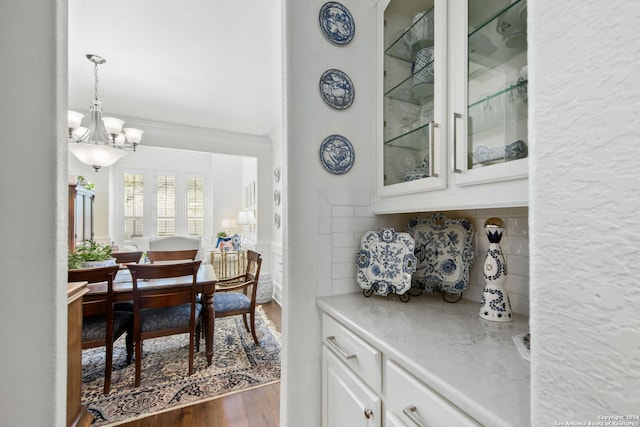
[(332, 343), (368, 413), (411, 413)]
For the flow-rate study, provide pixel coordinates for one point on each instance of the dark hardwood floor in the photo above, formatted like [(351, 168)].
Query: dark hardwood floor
[(259, 407)]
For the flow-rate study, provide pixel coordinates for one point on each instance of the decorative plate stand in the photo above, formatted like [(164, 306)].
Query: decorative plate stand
[(336, 23), (444, 252), (336, 88), (385, 263), (336, 154)]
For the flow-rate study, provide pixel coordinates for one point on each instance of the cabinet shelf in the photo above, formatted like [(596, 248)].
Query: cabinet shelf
[(416, 139), (498, 109), (407, 92), (498, 39), (406, 45)]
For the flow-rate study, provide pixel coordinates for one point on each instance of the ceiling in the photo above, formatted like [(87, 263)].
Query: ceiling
[(205, 63)]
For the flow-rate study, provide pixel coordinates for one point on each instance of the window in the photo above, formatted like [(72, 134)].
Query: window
[(195, 206), (133, 205), (166, 205)]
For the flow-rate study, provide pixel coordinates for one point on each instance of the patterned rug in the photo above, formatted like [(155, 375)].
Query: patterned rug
[(238, 364)]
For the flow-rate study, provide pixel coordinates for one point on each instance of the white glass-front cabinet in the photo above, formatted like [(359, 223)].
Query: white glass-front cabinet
[(453, 115), (412, 154), (489, 111)]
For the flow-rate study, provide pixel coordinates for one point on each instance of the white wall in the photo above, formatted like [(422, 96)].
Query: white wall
[(585, 193), (309, 121), (33, 193)]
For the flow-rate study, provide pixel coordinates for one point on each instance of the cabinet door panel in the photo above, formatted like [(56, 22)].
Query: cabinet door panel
[(346, 400), (412, 150), (489, 120)]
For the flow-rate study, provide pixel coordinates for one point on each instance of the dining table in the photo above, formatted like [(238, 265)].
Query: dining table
[(206, 281)]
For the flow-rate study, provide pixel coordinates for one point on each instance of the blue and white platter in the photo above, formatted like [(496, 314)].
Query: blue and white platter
[(336, 23), (444, 252), (336, 88), (385, 263), (336, 154)]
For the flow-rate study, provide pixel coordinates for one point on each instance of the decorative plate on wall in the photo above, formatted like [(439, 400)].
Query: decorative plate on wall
[(276, 220), (336, 154), (276, 174), (276, 197), (444, 251), (385, 263), (336, 23), (336, 88)]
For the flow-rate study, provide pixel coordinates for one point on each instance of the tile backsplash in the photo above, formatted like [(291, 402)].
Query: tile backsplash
[(341, 226)]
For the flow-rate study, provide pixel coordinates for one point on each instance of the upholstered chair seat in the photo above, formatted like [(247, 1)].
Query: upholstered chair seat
[(160, 319), (94, 328), (231, 301)]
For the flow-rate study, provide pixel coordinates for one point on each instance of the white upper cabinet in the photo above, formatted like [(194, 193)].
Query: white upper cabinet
[(452, 116), (489, 109), (413, 64)]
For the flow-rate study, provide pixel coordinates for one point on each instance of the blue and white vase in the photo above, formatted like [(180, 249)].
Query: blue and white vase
[(495, 305)]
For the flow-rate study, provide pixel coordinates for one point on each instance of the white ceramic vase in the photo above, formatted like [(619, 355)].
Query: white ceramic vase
[(495, 305)]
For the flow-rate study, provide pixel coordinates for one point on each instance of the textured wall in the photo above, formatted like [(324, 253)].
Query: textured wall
[(33, 164), (585, 193)]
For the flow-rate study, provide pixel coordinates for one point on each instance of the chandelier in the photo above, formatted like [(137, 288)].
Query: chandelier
[(104, 142)]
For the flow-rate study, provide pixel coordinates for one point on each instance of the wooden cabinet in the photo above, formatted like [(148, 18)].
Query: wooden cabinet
[(452, 128), (80, 215), (77, 415)]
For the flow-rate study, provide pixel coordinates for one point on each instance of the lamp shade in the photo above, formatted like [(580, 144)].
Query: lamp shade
[(74, 119), (227, 223), (134, 136), (113, 125), (96, 155)]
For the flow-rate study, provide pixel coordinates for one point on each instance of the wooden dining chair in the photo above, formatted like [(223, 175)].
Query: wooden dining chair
[(159, 312), (237, 295), (127, 257), (101, 323), (182, 255)]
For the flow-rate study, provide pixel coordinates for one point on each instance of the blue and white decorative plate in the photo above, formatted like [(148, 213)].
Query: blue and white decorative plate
[(336, 23), (385, 262), (444, 252), (336, 154), (336, 88)]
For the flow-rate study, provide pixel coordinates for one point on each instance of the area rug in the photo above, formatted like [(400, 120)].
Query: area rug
[(238, 364)]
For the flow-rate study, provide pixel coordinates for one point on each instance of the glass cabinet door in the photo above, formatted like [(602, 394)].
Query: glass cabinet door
[(497, 83), (414, 40)]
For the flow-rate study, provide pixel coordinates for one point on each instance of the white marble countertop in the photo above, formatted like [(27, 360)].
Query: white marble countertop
[(472, 362)]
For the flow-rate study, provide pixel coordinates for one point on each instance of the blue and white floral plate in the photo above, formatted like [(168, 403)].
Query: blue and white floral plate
[(336, 23), (385, 263), (444, 252), (336, 154), (336, 88)]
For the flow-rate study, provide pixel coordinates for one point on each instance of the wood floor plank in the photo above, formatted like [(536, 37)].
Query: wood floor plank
[(259, 407)]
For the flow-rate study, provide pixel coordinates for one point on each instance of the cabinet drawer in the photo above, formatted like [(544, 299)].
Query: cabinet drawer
[(418, 405), (364, 360)]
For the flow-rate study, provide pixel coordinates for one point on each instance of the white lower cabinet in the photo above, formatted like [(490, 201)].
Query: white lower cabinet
[(358, 382), (416, 404), (346, 400)]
